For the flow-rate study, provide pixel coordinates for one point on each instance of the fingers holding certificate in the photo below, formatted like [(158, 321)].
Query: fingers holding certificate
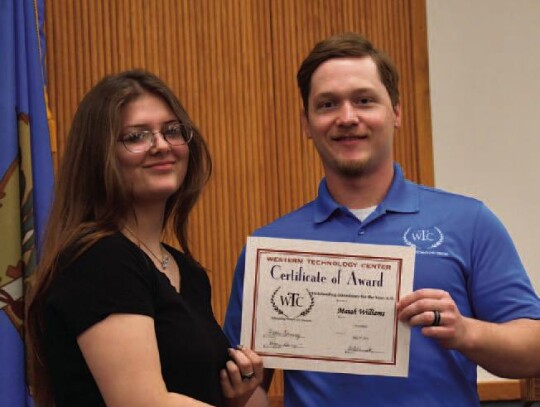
[(327, 306)]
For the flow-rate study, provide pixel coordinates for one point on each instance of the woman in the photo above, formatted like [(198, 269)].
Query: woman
[(118, 318)]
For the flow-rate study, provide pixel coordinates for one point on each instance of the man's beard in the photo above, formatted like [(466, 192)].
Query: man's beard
[(353, 168)]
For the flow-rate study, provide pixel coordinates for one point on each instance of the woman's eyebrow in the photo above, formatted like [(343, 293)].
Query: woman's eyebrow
[(146, 126)]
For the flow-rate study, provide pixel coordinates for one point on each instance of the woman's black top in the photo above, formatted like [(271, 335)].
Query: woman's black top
[(114, 276)]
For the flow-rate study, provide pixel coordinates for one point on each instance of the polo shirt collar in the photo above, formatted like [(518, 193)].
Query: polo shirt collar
[(402, 197)]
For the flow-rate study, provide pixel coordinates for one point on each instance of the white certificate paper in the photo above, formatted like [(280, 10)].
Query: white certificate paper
[(327, 306)]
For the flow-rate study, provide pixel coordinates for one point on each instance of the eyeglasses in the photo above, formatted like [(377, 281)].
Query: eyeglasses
[(140, 141)]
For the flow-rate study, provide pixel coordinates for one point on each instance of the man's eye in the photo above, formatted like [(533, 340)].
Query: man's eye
[(327, 104), (364, 101)]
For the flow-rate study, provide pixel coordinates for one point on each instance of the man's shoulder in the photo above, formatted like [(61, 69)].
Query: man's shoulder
[(438, 196), (289, 223)]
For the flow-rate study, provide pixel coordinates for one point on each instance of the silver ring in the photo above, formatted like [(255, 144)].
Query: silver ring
[(248, 376), (436, 318)]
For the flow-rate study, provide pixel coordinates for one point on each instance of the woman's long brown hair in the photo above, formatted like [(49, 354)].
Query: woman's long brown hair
[(91, 200)]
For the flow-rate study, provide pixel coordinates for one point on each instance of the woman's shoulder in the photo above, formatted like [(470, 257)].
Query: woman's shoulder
[(110, 247), (113, 244), (107, 256), (111, 276)]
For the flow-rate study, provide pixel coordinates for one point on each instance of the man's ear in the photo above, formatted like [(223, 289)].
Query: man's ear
[(397, 115), (305, 123)]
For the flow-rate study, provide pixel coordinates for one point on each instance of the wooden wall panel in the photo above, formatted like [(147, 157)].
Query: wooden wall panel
[(233, 64)]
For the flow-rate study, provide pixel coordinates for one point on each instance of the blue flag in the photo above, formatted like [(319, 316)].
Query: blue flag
[(26, 179)]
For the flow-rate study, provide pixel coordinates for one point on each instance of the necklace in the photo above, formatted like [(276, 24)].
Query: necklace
[(164, 261)]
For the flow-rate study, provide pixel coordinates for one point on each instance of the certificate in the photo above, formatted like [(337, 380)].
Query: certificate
[(327, 306)]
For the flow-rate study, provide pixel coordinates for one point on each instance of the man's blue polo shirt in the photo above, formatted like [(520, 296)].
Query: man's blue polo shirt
[(461, 247)]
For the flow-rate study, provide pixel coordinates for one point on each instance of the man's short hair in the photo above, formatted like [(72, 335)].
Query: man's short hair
[(347, 45)]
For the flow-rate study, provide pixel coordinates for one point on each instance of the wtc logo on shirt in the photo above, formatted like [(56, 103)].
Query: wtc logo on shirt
[(423, 238)]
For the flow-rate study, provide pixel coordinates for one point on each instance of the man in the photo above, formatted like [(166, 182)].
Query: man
[(472, 301)]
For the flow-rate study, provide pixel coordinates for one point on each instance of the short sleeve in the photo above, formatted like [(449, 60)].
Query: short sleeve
[(111, 277), (501, 289)]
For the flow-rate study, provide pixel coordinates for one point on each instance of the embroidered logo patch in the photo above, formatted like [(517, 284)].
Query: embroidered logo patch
[(425, 239)]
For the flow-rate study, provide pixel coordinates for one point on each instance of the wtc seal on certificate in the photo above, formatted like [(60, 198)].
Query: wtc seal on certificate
[(327, 306)]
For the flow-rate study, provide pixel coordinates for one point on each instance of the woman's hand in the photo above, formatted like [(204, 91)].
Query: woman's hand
[(241, 377)]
